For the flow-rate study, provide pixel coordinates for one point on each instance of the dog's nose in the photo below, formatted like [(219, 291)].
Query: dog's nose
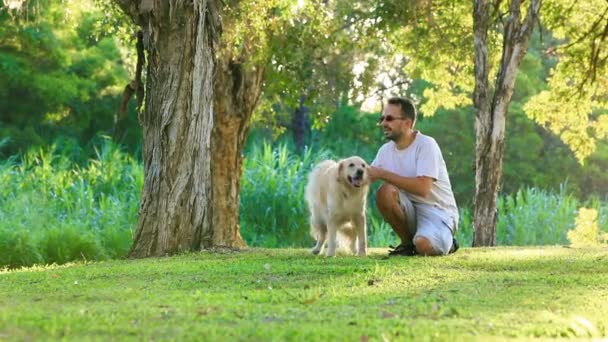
[(359, 173)]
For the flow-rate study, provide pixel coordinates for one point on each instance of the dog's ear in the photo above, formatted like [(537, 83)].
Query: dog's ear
[(340, 166)]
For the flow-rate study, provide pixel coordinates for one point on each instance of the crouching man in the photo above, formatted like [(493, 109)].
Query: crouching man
[(416, 199)]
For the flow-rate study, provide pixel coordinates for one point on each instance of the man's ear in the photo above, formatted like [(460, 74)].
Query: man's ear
[(412, 123)]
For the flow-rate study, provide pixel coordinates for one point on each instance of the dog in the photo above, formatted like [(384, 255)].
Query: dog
[(336, 194)]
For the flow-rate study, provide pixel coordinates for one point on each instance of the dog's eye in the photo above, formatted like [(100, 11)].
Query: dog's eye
[(351, 165), (363, 165)]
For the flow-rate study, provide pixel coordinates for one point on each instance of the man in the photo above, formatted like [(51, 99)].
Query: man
[(416, 198)]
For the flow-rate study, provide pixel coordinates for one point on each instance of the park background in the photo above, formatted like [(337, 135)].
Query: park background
[(71, 172)]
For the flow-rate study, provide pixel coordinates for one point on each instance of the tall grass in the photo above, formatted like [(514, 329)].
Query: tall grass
[(535, 217), (54, 211), (273, 212)]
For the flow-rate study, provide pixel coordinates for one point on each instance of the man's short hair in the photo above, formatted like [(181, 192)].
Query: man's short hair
[(408, 110)]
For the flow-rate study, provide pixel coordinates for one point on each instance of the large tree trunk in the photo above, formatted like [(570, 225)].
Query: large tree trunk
[(491, 111), (196, 114)]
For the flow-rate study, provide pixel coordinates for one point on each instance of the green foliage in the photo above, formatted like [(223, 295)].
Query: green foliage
[(349, 132), (586, 232), (578, 84), (19, 249), (58, 76), (327, 53), (290, 295), (535, 217), (55, 211)]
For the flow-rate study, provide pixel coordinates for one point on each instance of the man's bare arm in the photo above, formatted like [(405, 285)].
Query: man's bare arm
[(420, 186)]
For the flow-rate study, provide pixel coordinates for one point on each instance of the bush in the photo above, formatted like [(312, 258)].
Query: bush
[(54, 211), (535, 217)]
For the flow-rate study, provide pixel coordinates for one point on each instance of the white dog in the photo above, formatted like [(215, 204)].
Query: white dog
[(336, 194)]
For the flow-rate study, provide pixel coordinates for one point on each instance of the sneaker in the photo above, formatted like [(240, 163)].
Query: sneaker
[(455, 246), (402, 249)]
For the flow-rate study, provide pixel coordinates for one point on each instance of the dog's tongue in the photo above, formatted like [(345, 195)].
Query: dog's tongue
[(356, 182)]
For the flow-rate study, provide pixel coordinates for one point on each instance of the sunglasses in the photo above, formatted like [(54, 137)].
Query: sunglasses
[(389, 118)]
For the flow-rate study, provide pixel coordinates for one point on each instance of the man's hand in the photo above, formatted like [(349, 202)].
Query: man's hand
[(375, 173)]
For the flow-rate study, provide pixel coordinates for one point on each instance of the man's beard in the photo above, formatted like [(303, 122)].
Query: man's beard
[(392, 136)]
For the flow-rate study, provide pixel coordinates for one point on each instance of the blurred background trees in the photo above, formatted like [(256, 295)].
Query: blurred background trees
[(64, 65), (62, 72)]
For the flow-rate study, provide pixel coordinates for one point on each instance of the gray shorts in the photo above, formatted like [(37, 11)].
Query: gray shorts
[(430, 222)]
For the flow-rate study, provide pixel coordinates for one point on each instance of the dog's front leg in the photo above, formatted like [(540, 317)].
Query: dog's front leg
[(332, 231), (360, 227), (321, 235)]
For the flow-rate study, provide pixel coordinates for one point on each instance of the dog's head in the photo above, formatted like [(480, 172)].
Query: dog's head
[(354, 171)]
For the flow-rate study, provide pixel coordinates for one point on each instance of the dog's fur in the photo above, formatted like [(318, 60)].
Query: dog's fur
[(336, 194)]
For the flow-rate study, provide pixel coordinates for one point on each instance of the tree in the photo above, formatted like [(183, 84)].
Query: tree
[(203, 83), (208, 91), (492, 105), (206, 62), (57, 76), (567, 111), (440, 40), (574, 106)]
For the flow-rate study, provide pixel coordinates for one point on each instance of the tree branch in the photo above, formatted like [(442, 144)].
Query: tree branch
[(480, 31)]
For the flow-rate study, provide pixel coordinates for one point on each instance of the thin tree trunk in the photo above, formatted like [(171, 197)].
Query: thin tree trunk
[(300, 125), (491, 112), (196, 114), (237, 92)]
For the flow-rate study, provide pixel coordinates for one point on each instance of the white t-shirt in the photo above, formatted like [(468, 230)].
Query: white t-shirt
[(421, 158)]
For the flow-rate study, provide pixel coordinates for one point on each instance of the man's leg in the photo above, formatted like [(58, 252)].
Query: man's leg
[(390, 207), (433, 236), (424, 246)]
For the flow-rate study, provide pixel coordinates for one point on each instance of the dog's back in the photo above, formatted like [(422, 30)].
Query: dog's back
[(316, 192)]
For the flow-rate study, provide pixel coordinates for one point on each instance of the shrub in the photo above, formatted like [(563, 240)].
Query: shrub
[(54, 210)]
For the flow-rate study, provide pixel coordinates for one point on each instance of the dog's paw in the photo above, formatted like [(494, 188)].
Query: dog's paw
[(315, 251)]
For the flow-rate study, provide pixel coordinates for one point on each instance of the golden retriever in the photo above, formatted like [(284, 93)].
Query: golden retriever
[(336, 194)]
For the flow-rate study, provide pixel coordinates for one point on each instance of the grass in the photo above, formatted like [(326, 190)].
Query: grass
[(289, 295)]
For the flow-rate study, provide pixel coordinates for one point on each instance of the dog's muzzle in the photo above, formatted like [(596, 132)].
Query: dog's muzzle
[(357, 179)]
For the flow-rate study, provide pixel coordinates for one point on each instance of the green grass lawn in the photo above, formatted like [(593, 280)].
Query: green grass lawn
[(288, 294)]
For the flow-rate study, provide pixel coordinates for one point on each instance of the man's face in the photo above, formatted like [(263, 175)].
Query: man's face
[(394, 125)]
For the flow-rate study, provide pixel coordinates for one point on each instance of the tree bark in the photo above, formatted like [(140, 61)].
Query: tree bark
[(491, 111), (300, 125), (197, 109)]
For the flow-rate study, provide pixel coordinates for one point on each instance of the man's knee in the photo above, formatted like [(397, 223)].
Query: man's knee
[(424, 246), (386, 197)]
